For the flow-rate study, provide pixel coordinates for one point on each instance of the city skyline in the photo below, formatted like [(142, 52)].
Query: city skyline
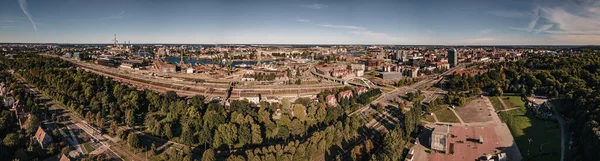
[(530, 22)]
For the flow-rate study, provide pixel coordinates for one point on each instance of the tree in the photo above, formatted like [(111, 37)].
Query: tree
[(256, 134), (152, 150), (205, 137), (129, 118), (245, 134), (188, 136), (133, 140), (297, 127), (65, 150), (168, 132), (10, 140), (113, 128), (32, 124), (226, 134), (394, 143), (208, 155)]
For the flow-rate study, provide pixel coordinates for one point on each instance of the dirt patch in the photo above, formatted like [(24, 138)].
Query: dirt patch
[(475, 111)]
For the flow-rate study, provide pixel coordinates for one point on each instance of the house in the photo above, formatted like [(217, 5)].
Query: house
[(345, 94), (361, 90), (43, 138), (9, 101), (439, 138), (64, 157), (3, 90), (255, 100), (330, 99), (190, 70), (20, 113)]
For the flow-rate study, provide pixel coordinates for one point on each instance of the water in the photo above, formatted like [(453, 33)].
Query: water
[(176, 60)]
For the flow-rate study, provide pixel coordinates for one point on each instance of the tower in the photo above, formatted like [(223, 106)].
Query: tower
[(258, 57), (181, 59), (116, 41), (452, 57)]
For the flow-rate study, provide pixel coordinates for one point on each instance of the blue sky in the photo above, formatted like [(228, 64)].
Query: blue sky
[(443, 22)]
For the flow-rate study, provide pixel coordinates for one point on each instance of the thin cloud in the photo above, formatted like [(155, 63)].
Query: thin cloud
[(114, 17), (544, 28), (509, 14), (23, 4), (486, 31), (371, 34), (431, 31), (343, 27), (482, 40), (535, 17), (579, 24), (303, 20), (315, 6)]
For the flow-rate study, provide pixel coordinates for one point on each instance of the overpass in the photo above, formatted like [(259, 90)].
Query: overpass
[(367, 82)]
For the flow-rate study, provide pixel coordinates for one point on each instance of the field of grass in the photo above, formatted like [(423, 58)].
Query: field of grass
[(88, 147), (512, 101), (545, 135), (445, 115), (496, 103), (429, 118)]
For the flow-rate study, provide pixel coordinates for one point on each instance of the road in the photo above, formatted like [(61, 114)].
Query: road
[(401, 91)]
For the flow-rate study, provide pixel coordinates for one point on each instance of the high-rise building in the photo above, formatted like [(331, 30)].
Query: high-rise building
[(452, 57)]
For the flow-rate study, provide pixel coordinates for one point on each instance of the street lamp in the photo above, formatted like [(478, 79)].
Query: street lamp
[(529, 145)]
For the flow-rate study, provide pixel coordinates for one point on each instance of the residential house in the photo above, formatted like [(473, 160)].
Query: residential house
[(43, 138), (345, 94), (330, 99)]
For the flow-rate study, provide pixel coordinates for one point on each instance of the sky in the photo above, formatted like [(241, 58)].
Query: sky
[(397, 22)]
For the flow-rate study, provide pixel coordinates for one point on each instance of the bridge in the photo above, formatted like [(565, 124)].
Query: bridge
[(367, 82)]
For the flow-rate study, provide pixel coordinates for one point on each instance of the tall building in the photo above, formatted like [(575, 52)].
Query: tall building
[(452, 57)]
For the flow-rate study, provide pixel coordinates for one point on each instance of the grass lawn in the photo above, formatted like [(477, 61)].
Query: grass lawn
[(545, 135), (429, 118), (496, 103), (445, 115), (88, 147), (512, 101)]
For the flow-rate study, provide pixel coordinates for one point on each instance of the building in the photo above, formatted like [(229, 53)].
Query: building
[(361, 90), (164, 67), (345, 94), (64, 157), (453, 57), (390, 75), (9, 101), (190, 70), (251, 99), (439, 138), (330, 99), (43, 138), (20, 113)]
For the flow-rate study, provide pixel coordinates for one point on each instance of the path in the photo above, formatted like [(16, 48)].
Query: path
[(563, 132), (459, 119), (502, 102)]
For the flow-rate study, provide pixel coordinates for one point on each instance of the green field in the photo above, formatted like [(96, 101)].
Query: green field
[(445, 115), (88, 147), (429, 118), (512, 101), (545, 135), (496, 103)]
